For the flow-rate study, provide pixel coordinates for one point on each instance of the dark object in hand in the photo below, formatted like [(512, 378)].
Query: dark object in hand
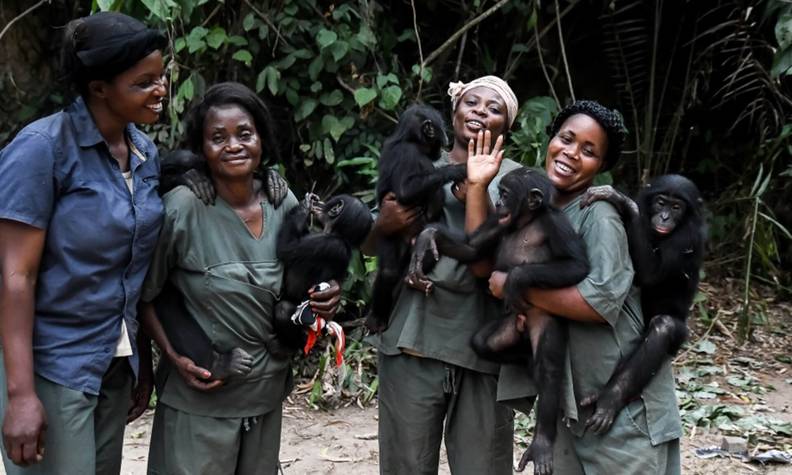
[(310, 257), (666, 232), (406, 168), (534, 243)]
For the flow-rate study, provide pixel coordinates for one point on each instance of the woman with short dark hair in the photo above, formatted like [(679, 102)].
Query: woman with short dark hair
[(222, 260), (79, 219)]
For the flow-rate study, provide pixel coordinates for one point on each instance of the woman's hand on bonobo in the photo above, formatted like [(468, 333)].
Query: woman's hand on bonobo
[(393, 216), (483, 163), (195, 376), (23, 429), (325, 302), (496, 283)]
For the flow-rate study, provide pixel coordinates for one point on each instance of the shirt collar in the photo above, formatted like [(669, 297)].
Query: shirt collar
[(85, 127)]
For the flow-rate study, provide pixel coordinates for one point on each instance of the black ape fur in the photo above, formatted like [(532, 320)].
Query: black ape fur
[(406, 169), (313, 257), (666, 233), (535, 244), (173, 166)]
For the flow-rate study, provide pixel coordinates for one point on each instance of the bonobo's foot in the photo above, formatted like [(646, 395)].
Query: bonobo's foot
[(425, 254), (541, 453), (607, 406), (235, 363), (376, 324)]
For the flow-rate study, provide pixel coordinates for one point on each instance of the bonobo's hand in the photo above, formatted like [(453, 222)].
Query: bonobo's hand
[(313, 204), (425, 248), (275, 187), (141, 393), (456, 173), (24, 426), (482, 163), (497, 282), (393, 216), (200, 185), (325, 302), (195, 376), (609, 194)]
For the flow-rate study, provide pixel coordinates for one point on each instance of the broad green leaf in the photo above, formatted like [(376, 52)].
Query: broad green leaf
[(244, 56), (353, 162), (316, 87), (302, 53), (385, 79), (179, 44), (366, 36), (195, 40), (331, 125), (339, 49), (390, 97), (315, 68), (364, 95), (427, 72), (329, 153), (237, 40), (216, 37), (249, 22), (160, 8), (105, 5), (187, 89), (286, 62), (305, 109), (782, 62), (331, 99), (325, 38), (268, 77)]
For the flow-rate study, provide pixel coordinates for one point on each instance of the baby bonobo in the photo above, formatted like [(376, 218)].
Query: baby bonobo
[(311, 258), (406, 169), (534, 243), (666, 233)]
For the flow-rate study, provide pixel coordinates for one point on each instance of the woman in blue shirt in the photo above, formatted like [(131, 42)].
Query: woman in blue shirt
[(79, 219)]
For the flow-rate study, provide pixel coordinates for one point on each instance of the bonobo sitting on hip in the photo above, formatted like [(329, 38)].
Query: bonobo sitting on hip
[(534, 243), (666, 233)]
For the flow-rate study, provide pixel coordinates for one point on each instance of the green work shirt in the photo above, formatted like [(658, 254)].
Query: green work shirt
[(230, 281), (594, 350), (441, 324)]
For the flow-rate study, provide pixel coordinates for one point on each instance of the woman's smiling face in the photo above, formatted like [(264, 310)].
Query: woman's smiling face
[(231, 144), (576, 153)]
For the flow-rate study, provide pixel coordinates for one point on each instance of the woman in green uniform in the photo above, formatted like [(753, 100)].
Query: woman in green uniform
[(432, 384), (222, 259), (603, 312)]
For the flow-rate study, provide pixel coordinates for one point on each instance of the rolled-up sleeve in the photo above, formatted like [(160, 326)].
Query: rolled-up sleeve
[(609, 281), (27, 180)]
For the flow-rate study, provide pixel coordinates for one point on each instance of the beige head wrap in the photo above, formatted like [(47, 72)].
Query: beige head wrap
[(457, 89)]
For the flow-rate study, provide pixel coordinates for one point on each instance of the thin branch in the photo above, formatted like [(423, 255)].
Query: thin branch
[(19, 17), (420, 50), (453, 38), (542, 63), (269, 23), (459, 56), (563, 50), (211, 15)]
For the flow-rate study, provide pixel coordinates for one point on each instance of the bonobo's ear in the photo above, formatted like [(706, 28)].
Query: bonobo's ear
[(535, 198)]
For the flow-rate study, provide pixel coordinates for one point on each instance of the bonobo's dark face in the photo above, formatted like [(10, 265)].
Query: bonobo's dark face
[(667, 213), (432, 136)]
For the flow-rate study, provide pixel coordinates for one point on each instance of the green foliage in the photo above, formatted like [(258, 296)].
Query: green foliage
[(527, 143)]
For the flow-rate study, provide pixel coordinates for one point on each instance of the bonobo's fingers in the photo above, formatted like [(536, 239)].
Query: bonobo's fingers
[(589, 400), (601, 421), (275, 187), (200, 185), (596, 193)]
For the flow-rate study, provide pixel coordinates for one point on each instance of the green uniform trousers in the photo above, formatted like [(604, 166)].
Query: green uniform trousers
[(423, 399), (186, 444), (85, 433), (625, 449)]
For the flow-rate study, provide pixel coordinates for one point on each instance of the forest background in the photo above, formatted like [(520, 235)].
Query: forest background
[(704, 87)]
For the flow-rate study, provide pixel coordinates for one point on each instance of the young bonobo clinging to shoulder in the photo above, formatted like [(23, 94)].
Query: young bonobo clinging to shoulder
[(534, 243), (666, 233), (406, 169), (311, 258)]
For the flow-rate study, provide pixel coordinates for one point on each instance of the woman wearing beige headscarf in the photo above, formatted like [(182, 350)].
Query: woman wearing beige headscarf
[(432, 384)]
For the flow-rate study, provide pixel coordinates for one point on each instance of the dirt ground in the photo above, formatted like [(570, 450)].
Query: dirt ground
[(344, 441)]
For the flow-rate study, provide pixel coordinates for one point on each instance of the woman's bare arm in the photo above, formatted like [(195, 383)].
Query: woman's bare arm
[(21, 248)]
